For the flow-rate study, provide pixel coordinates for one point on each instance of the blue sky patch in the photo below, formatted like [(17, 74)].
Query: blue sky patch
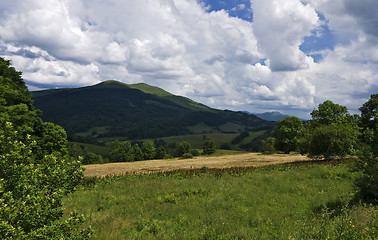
[(235, 8)]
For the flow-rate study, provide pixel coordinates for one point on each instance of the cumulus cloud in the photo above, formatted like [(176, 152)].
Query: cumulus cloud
[(211, 57), (280, 27)]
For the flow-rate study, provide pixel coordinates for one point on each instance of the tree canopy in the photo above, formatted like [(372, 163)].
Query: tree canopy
[(367, 163), (331, 134), (287, 134), (35, 169)]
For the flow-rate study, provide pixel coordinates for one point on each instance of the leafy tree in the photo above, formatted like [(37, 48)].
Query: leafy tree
[(333, 141), (367, 163), (195, 152), (329, 112), (92, 158), (209, 147), (268, 145), (287, 134), (137, 152), (369, 111), (120, 151), (148, 150), (331, 134), (161, 152), (182, 148), (35, 169)]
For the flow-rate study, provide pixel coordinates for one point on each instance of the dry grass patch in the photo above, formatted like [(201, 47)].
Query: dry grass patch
[(226, 161)]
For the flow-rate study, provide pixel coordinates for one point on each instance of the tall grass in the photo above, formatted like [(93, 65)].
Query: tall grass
[(298, 202)]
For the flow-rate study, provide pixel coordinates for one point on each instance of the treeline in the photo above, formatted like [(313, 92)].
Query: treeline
[(334, 134), (125, 151)]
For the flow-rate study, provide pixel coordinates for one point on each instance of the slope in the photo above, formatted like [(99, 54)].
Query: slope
[(116, 110)]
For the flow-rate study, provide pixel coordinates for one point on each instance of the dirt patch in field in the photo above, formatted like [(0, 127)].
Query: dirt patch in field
[(227, 161)]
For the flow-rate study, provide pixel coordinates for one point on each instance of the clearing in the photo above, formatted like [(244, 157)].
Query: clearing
[(165, 165)]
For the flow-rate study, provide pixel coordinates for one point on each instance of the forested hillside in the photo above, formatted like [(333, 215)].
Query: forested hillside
[(115, 110)]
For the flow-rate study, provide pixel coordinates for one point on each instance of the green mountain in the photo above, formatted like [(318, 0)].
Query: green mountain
[(116, 110), (271, 116)]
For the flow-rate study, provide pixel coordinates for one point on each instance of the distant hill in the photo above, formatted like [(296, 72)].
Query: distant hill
[(271, 116), (116, 110)]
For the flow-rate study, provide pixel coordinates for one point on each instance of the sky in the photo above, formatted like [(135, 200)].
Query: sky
[(243, 55)]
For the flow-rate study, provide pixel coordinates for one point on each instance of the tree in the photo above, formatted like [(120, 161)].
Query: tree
[(367, 162), (331, 134), (209, 147), (148, 150), (137, 152), (369, 113), (161, 152), (268, 145), (287, 134), (329, 112), (332, 141), (182, 148), (120, 151), (92, 158), (35, 169)]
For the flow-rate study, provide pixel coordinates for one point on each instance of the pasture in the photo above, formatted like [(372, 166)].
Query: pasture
[(292, 201)]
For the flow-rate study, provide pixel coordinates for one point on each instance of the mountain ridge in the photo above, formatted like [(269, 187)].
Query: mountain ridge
[(112, 109)]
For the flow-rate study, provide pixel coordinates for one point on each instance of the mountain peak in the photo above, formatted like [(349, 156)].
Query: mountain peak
[(150, 89), (110, 84)]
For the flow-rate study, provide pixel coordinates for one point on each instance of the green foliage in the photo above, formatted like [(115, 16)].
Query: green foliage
[(120, 152), (195, 152), (268, 145), (369, 113), (367, 163), (92, 158), (331, 134), (137, 153), (333, 141), (161, 153), (35, 169), (329, 112), (13, 90), (187, 155), (148, 149), (182, 148), (209, 147), (367, 179), (287, 134)]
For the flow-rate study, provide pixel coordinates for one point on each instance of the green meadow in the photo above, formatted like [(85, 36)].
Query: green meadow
[(284, 202)]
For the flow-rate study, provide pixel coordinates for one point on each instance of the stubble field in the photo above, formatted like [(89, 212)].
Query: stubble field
[(219, 162)]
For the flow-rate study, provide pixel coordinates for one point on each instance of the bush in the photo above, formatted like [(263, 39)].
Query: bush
[(187, 155), (182, 148), (268, 145), (209, 147), (195, 152)]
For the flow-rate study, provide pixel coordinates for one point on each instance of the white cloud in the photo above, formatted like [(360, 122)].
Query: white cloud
[(280, 27), (210, 57)]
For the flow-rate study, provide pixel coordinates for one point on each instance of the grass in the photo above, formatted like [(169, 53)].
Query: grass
[(93, 132), (291, 202), (197, 140), (102, 150)]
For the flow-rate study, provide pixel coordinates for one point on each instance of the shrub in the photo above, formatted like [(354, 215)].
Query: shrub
[(187, 155)]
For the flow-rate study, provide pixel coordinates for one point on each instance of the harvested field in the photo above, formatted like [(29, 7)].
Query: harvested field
[(227, 161)]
